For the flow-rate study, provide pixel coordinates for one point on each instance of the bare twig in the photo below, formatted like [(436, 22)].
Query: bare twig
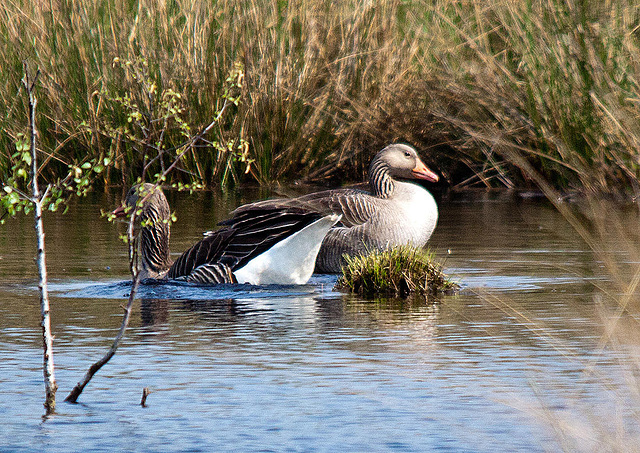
[(133, 267), (93, 369), (187, 146)]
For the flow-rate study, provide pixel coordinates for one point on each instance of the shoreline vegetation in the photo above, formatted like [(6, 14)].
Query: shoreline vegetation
[(486, 92)]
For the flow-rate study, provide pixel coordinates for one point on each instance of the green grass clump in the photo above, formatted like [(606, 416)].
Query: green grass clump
[(398, 272)]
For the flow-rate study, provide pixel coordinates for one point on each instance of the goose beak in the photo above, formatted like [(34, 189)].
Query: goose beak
[(421, 171), (118, 212)]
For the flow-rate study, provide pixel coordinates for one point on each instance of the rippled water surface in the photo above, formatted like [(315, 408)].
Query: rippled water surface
[(516, 362)]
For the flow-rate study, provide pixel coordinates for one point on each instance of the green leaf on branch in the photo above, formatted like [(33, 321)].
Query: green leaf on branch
[(22, 144), (12, 198), (26, 157)]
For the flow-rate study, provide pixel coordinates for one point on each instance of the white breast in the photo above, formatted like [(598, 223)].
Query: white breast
[(410, 216)]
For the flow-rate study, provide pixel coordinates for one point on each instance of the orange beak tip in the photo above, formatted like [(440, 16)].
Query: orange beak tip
[(421, 171)]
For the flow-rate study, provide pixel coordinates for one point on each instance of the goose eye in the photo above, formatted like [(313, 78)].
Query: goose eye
[(407, 154)]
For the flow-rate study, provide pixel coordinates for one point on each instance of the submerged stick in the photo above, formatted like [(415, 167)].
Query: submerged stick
[(93, 369), (145, 394), (37, 200)]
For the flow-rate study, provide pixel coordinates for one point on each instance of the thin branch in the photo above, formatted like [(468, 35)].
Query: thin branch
[(22, 195), (93, 369), (47, 337), (186, 146), (133, 267), (45, 194)]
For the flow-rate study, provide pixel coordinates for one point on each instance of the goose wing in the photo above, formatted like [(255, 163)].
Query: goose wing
[(206, 252), (355, 205), (247, 234)]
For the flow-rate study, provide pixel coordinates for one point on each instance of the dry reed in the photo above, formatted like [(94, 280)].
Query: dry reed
[(327, 84)]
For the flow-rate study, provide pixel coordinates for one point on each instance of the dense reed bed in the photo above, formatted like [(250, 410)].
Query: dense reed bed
[(321, 86)]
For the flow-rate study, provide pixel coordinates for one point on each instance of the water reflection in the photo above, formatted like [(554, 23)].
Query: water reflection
[(154, 312), (497, 367)]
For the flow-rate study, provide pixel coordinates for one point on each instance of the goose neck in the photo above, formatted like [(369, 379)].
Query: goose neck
[(154, 247), (381, 181)]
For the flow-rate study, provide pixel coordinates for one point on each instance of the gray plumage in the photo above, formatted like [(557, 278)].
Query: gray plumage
[(391, 211)]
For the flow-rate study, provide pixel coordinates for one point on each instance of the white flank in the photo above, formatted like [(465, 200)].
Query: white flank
[(292, 260)]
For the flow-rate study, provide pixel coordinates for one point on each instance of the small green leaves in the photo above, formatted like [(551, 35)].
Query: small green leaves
[(135, 115), (190, 187), (54, 205), (26, 157), (234, 82), (12, 198), (12, 203), (22, 143)]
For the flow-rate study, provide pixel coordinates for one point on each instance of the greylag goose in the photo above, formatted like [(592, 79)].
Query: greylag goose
[(260, 245), (391, 211)]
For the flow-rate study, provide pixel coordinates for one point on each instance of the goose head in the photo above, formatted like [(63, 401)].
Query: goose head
[(154, 205), (153, 223), (396, 161), (402, 162)]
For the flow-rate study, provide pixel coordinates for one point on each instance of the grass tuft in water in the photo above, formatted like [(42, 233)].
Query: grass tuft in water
[(399, 272)]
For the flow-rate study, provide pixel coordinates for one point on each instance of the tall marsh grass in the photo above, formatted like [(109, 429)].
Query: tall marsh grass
[(327, 84)]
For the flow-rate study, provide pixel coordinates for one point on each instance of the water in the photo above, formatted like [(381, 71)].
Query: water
[(515, 362)]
